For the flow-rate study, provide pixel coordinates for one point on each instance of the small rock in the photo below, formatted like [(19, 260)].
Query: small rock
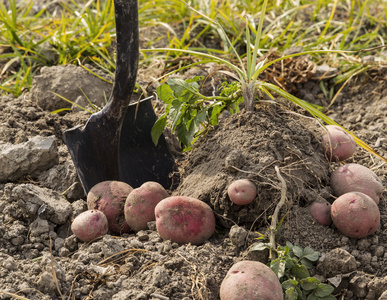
[(238, 235), (234, 160), (335, 262), (37, 201), (37, 154)]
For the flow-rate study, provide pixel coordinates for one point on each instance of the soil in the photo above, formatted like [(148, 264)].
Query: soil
[(34, 246)]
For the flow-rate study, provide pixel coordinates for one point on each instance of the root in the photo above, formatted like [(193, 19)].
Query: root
[(274, 217)]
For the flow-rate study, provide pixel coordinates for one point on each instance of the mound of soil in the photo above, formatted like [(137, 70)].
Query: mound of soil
[(250, 145), (37, 208)]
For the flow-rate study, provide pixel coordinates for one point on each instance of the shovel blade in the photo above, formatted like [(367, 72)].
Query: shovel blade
[(139, 159), (94, 150)]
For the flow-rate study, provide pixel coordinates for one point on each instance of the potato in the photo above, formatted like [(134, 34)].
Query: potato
[(184, 220), (250, 280), (356, 178), (355, 214), (109, 197), (338, 144), (242, 191), (321, 211), (90, 225), (140, 204)]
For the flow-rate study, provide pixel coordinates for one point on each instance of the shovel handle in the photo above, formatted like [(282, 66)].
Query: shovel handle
[(126, 14)]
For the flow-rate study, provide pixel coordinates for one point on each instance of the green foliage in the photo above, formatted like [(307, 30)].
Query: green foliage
[(189, 112), (291, 265)]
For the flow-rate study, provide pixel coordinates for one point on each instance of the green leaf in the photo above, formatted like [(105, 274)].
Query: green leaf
[(278, 267), (214, 114), (289, 262), (309, 283), (324, 290), (298, 251), (260, 246), (165, 93), (291, 294), (310, 254), (158, 128), (300, 272), (287, 284), (307, 263)]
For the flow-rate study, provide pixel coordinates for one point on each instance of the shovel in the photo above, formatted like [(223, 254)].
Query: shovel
[(115, 143)]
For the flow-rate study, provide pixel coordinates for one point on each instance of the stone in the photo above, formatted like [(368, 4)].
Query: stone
[(36, 201), (37, 154), (337, 261)]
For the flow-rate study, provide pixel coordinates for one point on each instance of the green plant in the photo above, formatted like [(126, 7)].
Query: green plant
[(181, 94), (291, 265)]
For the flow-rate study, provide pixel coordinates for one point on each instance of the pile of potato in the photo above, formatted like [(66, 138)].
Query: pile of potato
[(116, 207), (358, 190)]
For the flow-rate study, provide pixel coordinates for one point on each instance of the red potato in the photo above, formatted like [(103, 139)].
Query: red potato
[(338, 144), (184, 220), (109, 197), (250, 280), (89, 225), (140, 204), (242, 191), (321, 211), (356, 178), (355, 214)]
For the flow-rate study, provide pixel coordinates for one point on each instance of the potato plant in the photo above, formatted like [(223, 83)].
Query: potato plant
[(291, 267)]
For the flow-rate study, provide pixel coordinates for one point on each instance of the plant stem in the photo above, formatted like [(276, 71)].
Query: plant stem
[(274, 217)]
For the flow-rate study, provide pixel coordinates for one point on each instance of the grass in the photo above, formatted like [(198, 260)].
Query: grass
[(80, 34)]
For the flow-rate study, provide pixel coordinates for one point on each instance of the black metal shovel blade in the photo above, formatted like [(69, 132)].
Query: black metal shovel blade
[(140, 160), (94, 149)]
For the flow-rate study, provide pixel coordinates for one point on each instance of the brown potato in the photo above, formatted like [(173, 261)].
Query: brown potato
[(250, 280), (242, 191), (356, 178), (184, 220), (89, 225), (140, 204), (355, 214), (321, 211), (338, 144), (109, 197)]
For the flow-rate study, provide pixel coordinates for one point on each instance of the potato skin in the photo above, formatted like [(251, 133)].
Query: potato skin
[(109, 197), (356, 178), (355, 214), (184, 220), (250, 280), (242, 191), (321, 211), (141, 202), (338, 144), (90, 225)]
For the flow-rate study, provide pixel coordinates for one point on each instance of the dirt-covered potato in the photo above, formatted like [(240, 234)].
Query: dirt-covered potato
[(242, 191), (321, 211), (184, 220), (140, 204), (338, 144), (356, 178), (90, 225), (355, 214), (109, 197), (250, 280)]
